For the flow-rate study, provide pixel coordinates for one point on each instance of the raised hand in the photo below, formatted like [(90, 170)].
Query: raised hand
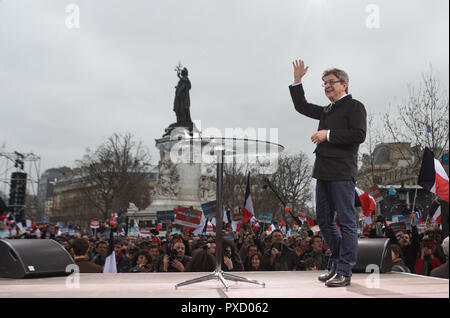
[(299, 70)]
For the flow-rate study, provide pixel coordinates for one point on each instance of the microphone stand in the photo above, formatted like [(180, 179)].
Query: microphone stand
[(279, 198)]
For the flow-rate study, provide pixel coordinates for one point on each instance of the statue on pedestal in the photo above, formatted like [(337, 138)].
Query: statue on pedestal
[(182, 102)]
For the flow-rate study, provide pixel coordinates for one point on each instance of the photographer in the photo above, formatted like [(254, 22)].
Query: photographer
[(278, 257), (427, 261), (175, 260), (140, 262), (231, 261)]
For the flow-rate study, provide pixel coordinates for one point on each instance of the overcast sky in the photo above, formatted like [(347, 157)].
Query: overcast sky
[(64, 89)]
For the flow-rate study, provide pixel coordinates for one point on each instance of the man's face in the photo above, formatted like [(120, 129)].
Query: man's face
[(101, 249), (277, 237), (154, 253), (403, 239), (317, 244), (117, 248), (252, 250), (179, 247), (333, 88)]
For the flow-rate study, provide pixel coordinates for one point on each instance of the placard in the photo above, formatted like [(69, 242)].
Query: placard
[(188, 217), (95, 223), (265, 217), (167, 216), (209, 208), (399, 226), (145, 231)]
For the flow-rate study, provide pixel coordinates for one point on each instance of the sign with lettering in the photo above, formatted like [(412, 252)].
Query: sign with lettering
[(188, 216), (165, 216), (209, 208), (399, 226), (95, 223), (265, 217), (145, 231)]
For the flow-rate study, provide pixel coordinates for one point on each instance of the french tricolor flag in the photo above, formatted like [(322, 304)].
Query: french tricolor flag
[(437, 215), (432, 175), (368, 203), (435, 212), (247, 211)]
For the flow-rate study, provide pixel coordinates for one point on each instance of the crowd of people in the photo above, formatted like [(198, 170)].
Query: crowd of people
[(413, 252)]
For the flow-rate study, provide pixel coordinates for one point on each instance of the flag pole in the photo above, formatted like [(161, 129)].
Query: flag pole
[(414, 203)]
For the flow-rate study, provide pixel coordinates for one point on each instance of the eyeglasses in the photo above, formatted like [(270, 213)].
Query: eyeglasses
[(330, 82)]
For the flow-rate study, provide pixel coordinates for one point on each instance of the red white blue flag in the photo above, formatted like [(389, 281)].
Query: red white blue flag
[(432, 175), (247, 211)]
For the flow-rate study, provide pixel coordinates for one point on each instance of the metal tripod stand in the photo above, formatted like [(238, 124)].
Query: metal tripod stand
[(218, 274)]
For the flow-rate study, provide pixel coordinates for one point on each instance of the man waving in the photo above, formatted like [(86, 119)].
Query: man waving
[(342, 127)]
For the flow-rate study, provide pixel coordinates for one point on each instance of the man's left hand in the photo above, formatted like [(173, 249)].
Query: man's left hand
[(319, 136)]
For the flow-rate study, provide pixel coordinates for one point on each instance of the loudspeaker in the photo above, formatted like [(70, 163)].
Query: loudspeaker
[(29, 258), (375, 251)]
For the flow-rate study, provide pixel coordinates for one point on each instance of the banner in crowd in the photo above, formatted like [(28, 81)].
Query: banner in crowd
[(188, 217), (167, 216), (145, 231), (265, 217), (175, 231), (375, 193), (315, 229), (95, 223), (399, 226), (45, 220), (402, 219), (209, 208), (133, 231)]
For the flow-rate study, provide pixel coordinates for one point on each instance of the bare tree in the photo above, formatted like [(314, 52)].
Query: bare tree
[(116, 173), (292, 180), (423, 118), (235, 183), (366, 153)]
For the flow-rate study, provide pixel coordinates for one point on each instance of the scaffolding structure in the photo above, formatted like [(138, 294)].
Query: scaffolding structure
[(19, 162)]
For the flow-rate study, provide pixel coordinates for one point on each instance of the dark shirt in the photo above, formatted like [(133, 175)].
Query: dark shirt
[(320, 257), (283, 262)]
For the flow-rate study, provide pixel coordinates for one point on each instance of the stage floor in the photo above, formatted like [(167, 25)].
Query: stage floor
[(278, 285)]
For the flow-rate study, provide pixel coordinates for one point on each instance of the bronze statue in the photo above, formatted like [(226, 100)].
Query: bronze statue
[(182, 103)]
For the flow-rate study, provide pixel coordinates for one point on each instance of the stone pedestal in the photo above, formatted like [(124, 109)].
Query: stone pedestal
[(178, 183)]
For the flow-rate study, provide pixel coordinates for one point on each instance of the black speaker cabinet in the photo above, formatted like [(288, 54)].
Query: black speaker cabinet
[(29, 258), (374, 251)]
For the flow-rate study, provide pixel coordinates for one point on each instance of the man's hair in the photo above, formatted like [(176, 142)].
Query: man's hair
[(340, 74), (99, 243), (310, 262), (397, 250), (312, 241), (274, 231), (80, 246)]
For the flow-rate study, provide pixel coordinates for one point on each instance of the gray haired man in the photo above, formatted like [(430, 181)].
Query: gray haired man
[(342, 128)]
